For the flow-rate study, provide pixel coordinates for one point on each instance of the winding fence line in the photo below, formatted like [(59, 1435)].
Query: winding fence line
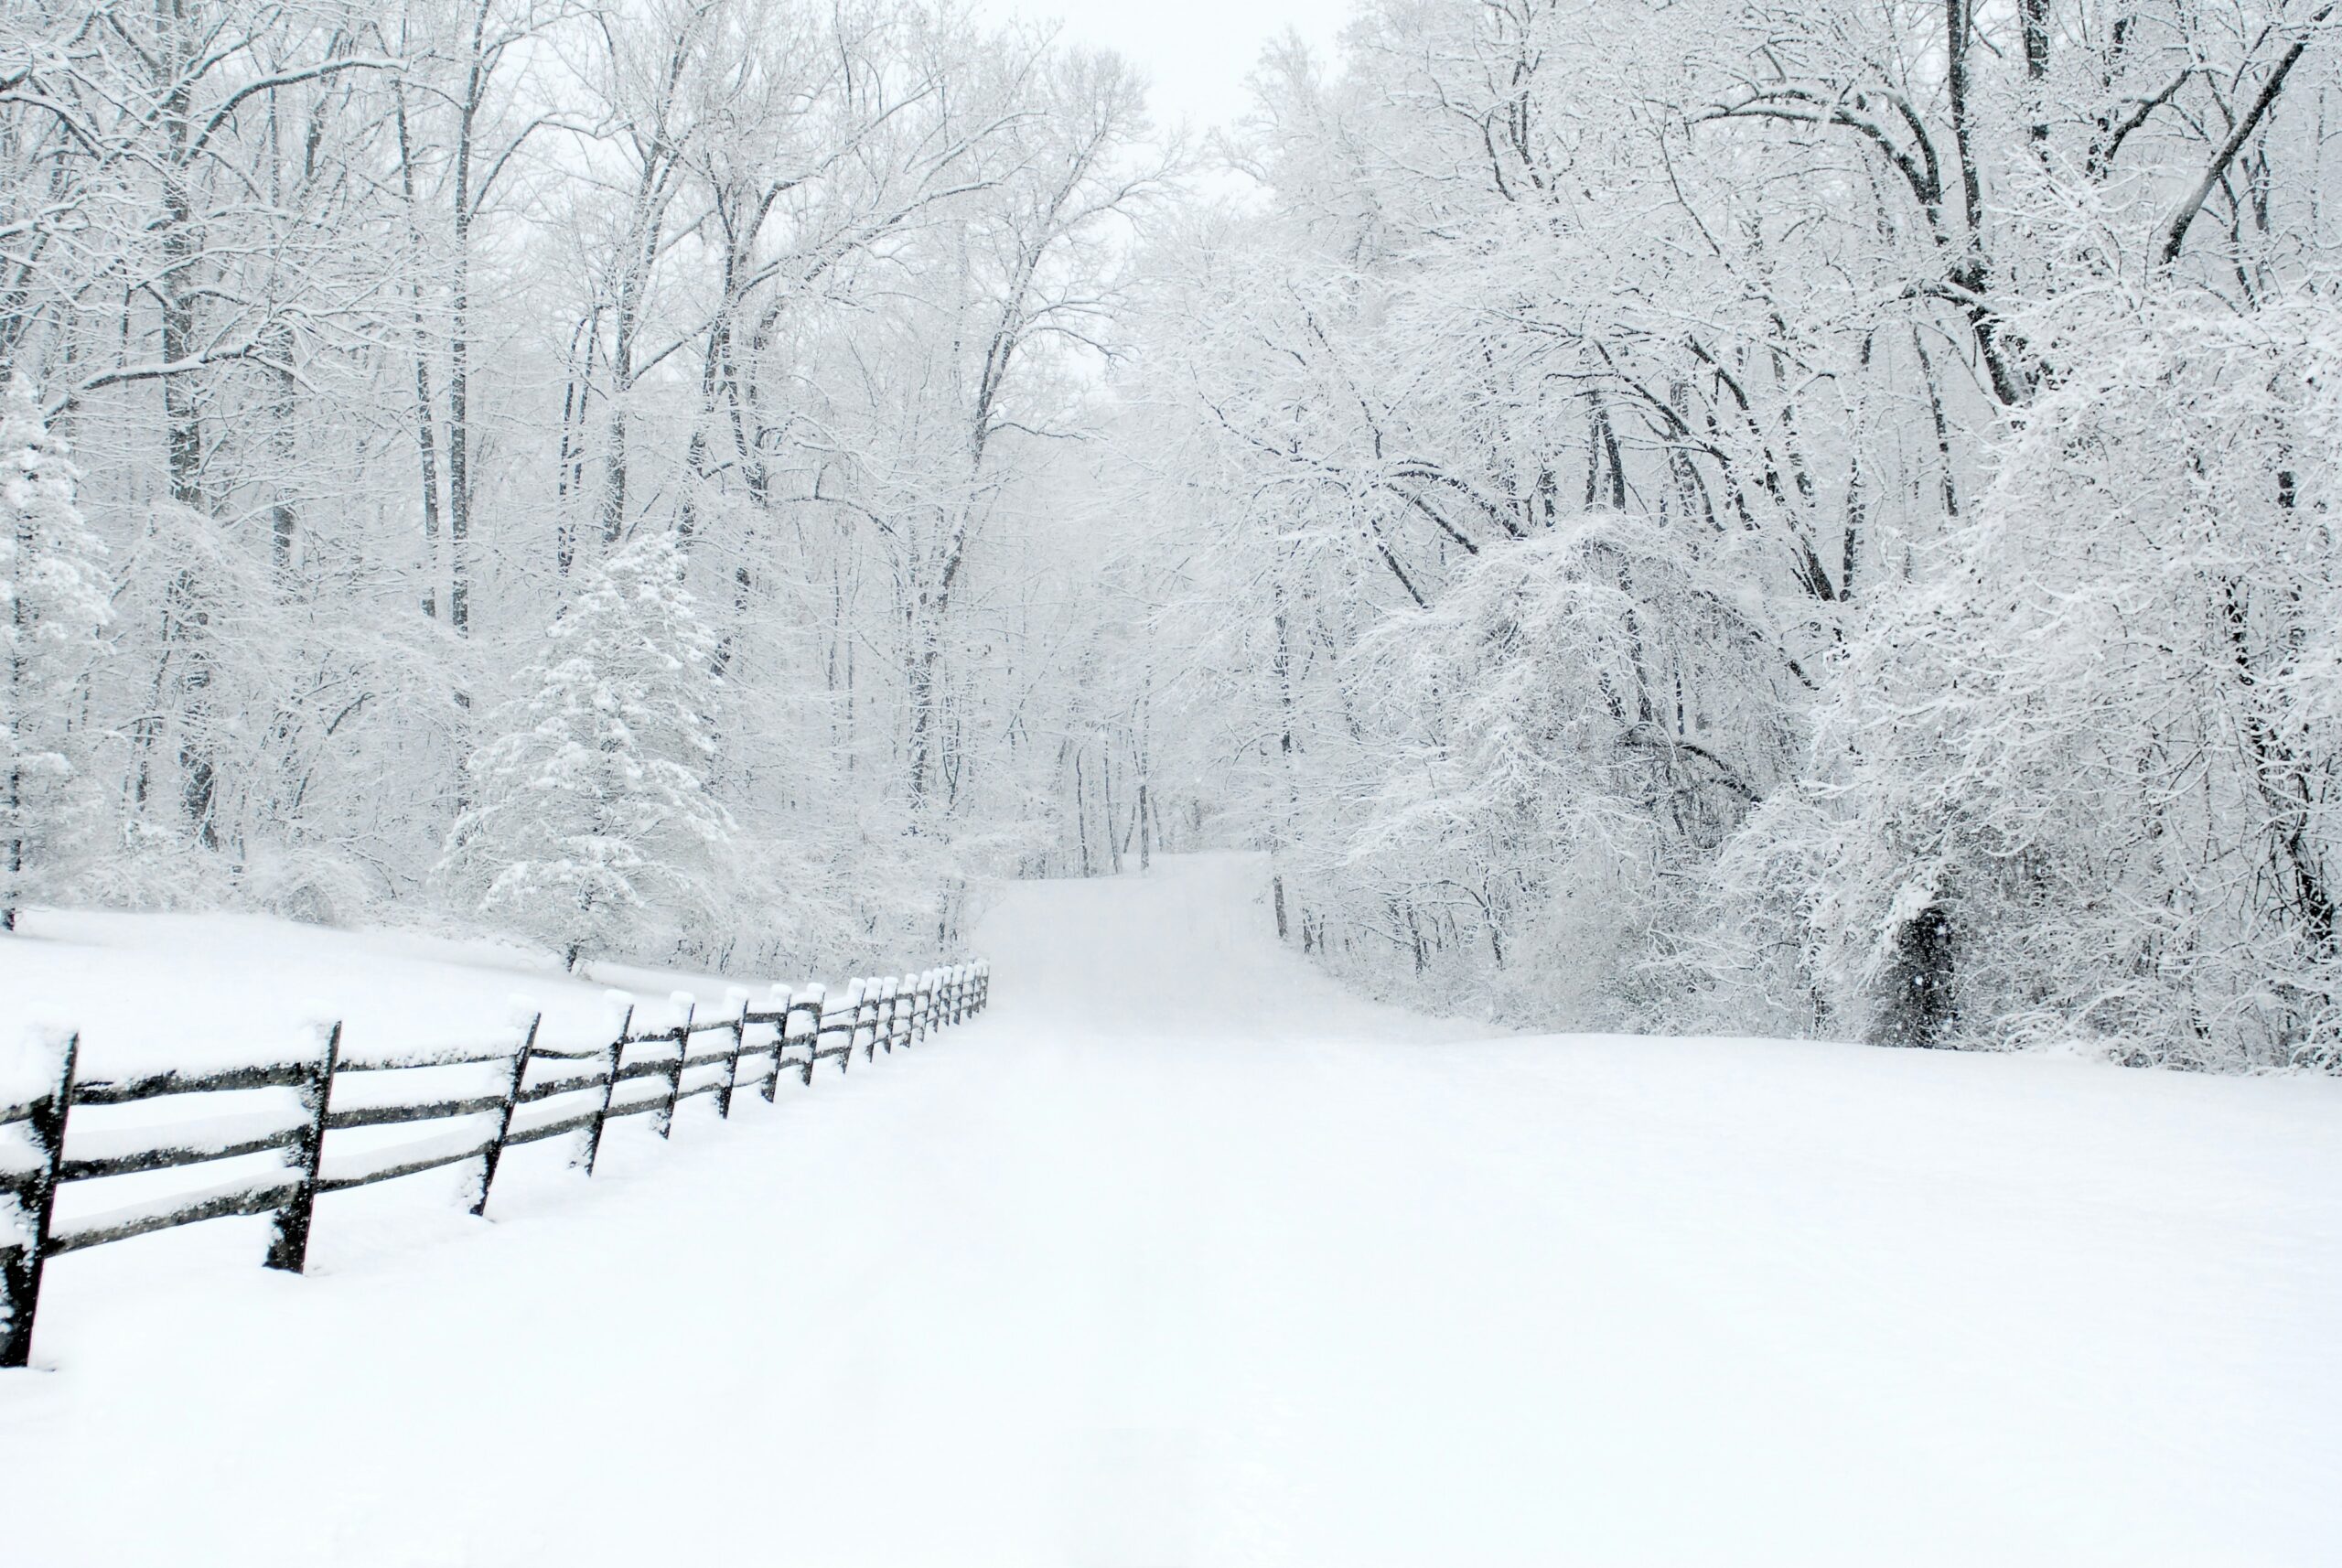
[(516, 1095)]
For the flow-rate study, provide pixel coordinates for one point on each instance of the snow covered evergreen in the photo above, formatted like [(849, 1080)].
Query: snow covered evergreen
[(53, 580), (591, 812)]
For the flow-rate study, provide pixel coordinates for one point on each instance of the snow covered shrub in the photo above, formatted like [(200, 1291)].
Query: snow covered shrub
[(591, 825), (53, 584), (255, 705), (310, 883), (2082, 772), (1595, 708)]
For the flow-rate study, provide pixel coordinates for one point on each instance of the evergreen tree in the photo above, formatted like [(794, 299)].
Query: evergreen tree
[(53, 581), (592, 817)]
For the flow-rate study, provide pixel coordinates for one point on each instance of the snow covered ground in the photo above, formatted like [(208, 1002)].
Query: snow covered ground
[(1180, 1256), (149, 992)]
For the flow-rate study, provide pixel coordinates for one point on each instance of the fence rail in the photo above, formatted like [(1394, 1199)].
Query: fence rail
[(802, 1028)]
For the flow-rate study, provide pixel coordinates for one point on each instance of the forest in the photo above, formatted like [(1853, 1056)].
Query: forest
[(1759, 517)]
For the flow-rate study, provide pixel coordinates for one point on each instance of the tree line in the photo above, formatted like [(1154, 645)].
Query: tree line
[(610, 470), (1782, 516)]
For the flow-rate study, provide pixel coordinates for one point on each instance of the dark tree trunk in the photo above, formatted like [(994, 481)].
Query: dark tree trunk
[(1915, 1004)]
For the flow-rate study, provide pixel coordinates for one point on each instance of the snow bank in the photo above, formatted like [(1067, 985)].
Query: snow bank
[(1179, 1255), (152, 992)]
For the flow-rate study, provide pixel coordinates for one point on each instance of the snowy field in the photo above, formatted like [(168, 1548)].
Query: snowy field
[(1179, 1255)]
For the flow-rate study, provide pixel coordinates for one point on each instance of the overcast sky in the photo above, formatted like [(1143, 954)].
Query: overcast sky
[(1196, 52)]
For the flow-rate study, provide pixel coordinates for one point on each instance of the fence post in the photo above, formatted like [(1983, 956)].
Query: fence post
[(870, 992), (813, 999), (288, 1248), (20, 1266), (787, 998), (852, 1013), (898, 1017), (609, 1087), (495, 1152), (682, 1049), (739, 1042)]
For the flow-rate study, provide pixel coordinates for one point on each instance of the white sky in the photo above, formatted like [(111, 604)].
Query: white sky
[(1195, 52)]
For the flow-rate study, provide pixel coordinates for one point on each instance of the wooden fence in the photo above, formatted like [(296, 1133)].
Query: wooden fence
[(524, 1095)]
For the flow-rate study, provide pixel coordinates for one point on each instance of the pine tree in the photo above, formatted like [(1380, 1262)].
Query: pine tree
[(592, 812), (53, 579)]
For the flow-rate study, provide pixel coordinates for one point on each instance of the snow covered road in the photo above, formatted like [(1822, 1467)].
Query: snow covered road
[(1180, 1256)]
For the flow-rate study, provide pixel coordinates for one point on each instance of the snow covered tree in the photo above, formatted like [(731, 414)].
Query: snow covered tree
[(2079, 779), (52, 577), (592, 824), (1601, 399)]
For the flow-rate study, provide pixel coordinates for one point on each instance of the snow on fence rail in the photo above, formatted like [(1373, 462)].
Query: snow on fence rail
[(522, 1094)]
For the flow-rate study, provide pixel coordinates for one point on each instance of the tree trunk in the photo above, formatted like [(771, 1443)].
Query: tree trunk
[(426, 412), (460, 303)]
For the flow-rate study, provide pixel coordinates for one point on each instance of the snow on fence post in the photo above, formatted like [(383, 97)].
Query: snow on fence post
[(869, 1002), (813, 999), (782, 1000), (740, 1043), (845, 1016), (20, 1266), (850, 1015), (494, 1151), (288, 1248), (690, 1004), (899, 1019), (609, 1084)]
